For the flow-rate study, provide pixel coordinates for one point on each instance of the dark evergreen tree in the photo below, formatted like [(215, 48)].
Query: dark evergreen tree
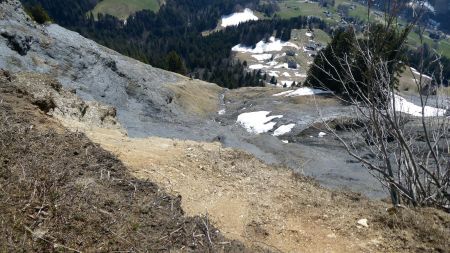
[(174, 63), (38, 13)]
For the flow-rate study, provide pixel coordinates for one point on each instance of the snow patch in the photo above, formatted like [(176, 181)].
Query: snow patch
[(256, 66), (238, 17), (303, 91), (262, 57), (321, 134), (284, 129), (286, 74), (221, 112), (257, 122), (283, 65), (402, 105), (299, 75), (274, 73), (263, 47), (415, 72)]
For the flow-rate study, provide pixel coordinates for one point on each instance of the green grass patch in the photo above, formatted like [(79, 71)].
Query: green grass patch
[(441, 46), (124, 8), (295, 8)]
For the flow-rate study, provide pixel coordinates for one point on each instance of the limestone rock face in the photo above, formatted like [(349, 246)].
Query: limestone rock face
[(139, 92)]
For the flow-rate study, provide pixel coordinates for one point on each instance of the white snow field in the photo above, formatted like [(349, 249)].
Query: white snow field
[(262, 47), (257, 66), (402, 105), (257, 122), (303, 91), (238, 17), (262, 57), (284, 129)]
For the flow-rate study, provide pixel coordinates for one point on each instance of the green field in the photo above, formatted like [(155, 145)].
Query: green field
[(442, 46), (294, 8), (124, 8)]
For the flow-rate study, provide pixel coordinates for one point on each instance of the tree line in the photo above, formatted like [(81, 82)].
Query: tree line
[(172, 38)]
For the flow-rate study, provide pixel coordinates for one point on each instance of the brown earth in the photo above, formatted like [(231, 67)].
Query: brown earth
[(265, 207), (59, 192)]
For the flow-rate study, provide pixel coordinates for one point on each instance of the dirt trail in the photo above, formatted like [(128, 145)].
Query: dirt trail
[(246, 199), (263, 206)]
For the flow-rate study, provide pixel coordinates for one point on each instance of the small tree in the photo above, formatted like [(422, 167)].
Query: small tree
[(410, 155), (175, 63), (273, 80), (38, 13)]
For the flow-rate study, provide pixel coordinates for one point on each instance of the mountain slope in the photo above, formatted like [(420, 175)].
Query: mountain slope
[(121, 105), (61, 192)]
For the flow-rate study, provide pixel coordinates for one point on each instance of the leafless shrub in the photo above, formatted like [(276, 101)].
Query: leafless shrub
[(409, 154)]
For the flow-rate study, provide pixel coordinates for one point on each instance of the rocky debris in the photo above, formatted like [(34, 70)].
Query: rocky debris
[(153, 102), (49, 95), (83, 199), (363, 222), (19, 43)]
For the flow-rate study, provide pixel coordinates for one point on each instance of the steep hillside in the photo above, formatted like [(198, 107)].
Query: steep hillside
[(61, 192), (136, 132), (153, 102)]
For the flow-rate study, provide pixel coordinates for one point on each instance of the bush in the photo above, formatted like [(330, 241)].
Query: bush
[(38, 14)]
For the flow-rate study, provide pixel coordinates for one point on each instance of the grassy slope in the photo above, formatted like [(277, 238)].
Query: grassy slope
[(123, 8), (294, 8), (442, 46)]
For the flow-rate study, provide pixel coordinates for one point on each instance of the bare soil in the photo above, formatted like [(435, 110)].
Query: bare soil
[(59, 192)]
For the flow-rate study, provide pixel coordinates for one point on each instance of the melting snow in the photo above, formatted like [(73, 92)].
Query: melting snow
[(274, 73), (263, 47), (256, 66), (322, 134), (415, 72), (308, 34), (299, 75), (284, 129), (262, 57), (221, 112), (283, 65), (303, 91), (286, 74), (279, 55), (238, 17), (402, 105), (257, 122)]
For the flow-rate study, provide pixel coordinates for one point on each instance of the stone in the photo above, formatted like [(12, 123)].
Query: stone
[(363, 222)]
